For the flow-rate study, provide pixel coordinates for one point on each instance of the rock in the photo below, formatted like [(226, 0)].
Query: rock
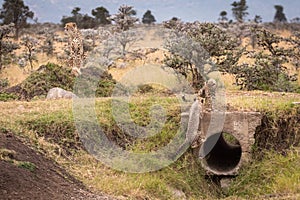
[(59, 93), (21, 108), (178, 194)]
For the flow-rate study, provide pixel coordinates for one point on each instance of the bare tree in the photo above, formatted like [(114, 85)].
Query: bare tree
[(6, 46), (126, 39), (48, 44), (30, 44), (124, 19)]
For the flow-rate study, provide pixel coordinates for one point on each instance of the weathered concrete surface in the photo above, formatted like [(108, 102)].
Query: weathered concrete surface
[(218, 156)]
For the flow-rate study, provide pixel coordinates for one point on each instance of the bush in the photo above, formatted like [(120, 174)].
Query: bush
[(269, 71), (3, 84)]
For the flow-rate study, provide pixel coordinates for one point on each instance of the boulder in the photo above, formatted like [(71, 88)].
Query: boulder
[(59, 93)]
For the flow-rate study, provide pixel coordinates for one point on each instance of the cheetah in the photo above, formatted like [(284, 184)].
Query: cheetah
[(77, 55)]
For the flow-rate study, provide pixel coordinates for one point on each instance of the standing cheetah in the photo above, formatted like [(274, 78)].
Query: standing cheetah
[(77, 55)]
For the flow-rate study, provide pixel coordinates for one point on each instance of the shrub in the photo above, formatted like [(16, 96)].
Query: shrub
[(3, 84), (269, 71)]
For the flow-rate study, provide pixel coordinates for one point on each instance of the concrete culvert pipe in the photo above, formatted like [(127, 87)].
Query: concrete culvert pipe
[(221, 154)]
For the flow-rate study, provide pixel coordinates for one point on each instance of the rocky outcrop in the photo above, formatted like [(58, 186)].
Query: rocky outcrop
[(59, 93)]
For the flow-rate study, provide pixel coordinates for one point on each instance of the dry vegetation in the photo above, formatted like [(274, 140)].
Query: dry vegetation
[(48, 127)]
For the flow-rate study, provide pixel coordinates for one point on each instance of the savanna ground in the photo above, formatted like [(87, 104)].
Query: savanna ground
[(41, 156)]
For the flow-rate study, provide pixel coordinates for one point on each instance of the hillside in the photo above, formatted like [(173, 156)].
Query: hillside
[(28, 174)]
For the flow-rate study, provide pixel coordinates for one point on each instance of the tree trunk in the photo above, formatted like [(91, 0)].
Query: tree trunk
[(0, 55), (17, 33)]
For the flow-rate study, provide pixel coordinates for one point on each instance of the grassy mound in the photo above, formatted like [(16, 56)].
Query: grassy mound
[(51, 75)]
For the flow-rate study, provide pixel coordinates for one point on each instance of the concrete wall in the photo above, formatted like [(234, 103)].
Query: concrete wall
[(219, 156)]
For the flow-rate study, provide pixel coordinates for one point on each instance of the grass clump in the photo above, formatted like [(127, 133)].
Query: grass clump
[(275, 174), (7, 96), (26, 165), (57, 127), (9, 156)]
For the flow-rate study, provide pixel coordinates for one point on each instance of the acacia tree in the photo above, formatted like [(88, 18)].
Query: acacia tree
[(82, 20), (14, 11), (223, 17), (6, 46), (210, 44), (148, 18), (102, 15), (239, 10), (279, 15)]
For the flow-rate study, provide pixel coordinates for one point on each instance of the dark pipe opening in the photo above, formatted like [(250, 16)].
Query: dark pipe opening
[(222, 156)]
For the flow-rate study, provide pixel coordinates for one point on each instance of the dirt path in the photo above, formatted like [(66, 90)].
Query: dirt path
[(26, 174)]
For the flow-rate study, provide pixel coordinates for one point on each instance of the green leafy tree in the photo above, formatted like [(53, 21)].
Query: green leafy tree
[(14, 11), (48, 44), (76, 17), (148, 18), (102, 15), (6, 46), (82, 20), (239, 10), (279, 15), (87, 22), (75, 11)]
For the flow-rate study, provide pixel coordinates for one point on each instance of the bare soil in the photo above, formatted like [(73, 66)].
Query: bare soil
[(46, 181)]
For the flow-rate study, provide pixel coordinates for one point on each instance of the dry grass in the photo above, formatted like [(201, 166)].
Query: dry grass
[(184, 175), (259, 100)]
